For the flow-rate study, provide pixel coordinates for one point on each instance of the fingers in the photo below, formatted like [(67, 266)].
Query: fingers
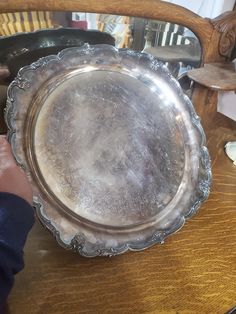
[(2, 137), (6, 156), (4, 72)]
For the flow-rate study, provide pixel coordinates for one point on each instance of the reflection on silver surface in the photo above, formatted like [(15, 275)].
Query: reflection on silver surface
[(114, 149)]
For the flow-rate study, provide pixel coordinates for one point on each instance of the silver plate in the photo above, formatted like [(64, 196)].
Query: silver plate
[(114, 149)]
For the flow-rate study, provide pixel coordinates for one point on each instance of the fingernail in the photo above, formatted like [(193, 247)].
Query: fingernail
[(3, 139)]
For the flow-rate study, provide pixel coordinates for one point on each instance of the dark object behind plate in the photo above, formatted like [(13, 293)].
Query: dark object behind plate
[(22, 49)]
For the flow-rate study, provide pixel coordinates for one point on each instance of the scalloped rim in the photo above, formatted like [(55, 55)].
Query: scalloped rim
[(78, 243)]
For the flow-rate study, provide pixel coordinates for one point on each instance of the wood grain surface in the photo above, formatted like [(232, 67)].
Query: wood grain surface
[(216, 76)]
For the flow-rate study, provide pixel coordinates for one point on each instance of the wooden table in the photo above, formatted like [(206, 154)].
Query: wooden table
[(188, 54), (216, 76), (193, 272)]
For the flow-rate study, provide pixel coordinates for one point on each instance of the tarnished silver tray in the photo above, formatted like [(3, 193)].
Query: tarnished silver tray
[(114, 149)]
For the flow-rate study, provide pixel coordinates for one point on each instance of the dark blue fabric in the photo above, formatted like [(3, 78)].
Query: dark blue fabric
[(16, 219)]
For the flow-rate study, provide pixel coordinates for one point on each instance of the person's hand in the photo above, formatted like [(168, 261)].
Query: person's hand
[(12, 178)]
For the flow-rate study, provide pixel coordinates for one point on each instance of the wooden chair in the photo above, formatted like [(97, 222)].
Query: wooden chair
[(194, 272), (217, 37)]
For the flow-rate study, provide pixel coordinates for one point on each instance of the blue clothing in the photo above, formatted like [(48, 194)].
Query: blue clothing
[(16, 219)]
